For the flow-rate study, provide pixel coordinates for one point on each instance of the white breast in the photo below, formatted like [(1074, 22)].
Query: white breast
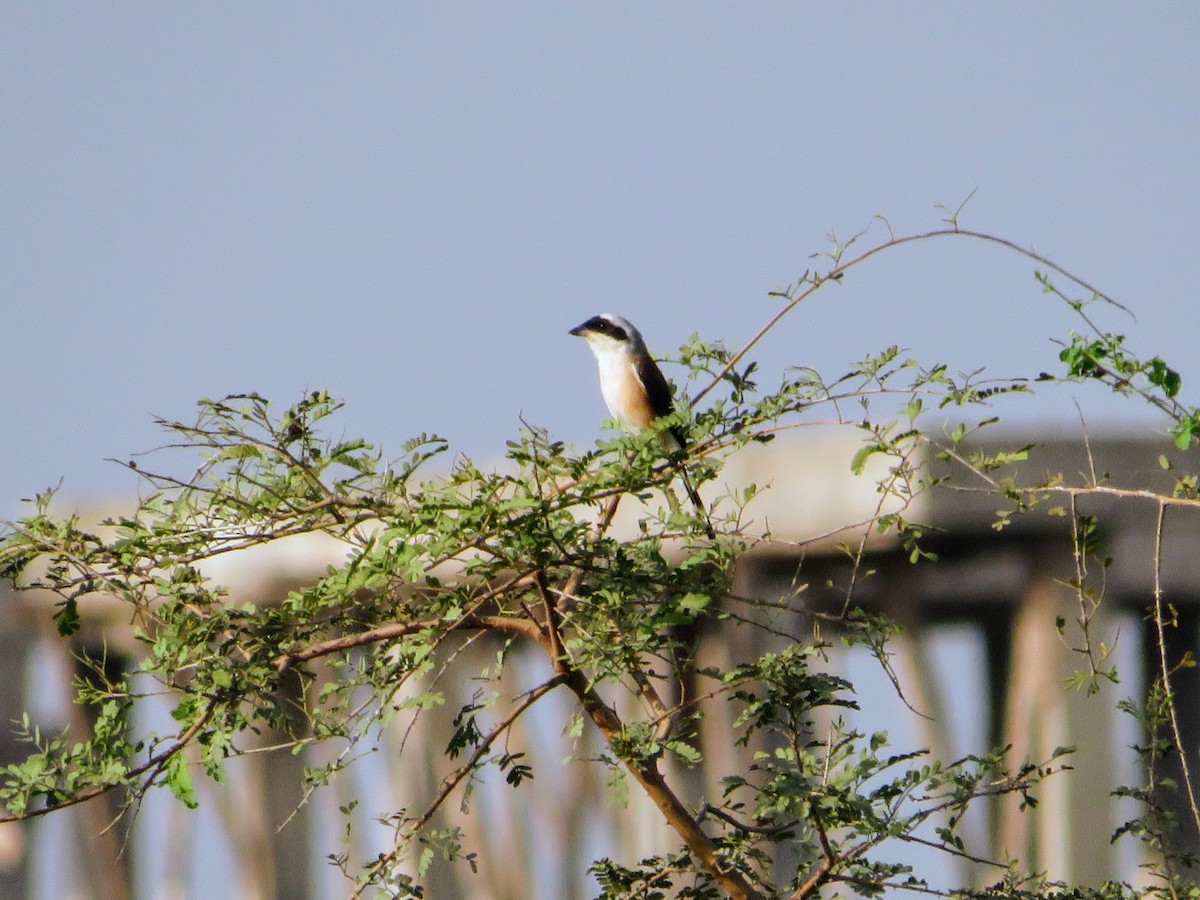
[(623, 392)]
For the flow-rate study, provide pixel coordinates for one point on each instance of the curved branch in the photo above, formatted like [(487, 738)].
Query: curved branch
[(840, 268)]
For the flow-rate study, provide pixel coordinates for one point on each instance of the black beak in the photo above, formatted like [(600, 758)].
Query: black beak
[(579, 330)]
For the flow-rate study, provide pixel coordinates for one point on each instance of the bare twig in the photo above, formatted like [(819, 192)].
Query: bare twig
[(815, 282), (455, 778), (1165, 671)]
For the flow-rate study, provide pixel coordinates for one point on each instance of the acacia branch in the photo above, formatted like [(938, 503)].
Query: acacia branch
[(815, 281), (154, 765), (393, 630), (651, 780), (824, 870)]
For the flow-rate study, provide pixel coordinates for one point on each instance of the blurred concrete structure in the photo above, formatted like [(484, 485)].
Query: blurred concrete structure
[(1009, 586)]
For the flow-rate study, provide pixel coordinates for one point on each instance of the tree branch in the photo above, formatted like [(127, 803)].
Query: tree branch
[(508, 624), (652, 782)]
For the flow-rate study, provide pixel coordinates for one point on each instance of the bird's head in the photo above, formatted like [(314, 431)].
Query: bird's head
[(609, 332)]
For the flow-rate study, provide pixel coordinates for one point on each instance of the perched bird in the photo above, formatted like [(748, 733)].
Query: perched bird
[(633, 386)]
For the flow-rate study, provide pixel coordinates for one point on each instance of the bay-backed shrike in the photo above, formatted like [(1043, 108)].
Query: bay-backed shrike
[(634, 388)]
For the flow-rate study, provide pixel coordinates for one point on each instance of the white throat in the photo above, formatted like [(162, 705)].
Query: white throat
[(616, 363)]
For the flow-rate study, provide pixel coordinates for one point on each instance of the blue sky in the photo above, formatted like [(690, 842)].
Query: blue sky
[(409, 205)]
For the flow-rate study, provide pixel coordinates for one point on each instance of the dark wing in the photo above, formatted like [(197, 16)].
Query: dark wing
[(658, 391)]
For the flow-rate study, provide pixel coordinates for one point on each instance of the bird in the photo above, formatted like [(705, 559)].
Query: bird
[(633, 386)]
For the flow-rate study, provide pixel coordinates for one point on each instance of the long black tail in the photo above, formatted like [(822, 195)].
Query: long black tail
[(694, 495), (673, 439)]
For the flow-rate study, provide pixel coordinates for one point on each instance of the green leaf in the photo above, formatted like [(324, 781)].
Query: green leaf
[(685, 751), (859, 461), (695, 602), (240, 451), (67, 617), (1162, 375), (912, 409), (1183, 432), (179, 781)]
